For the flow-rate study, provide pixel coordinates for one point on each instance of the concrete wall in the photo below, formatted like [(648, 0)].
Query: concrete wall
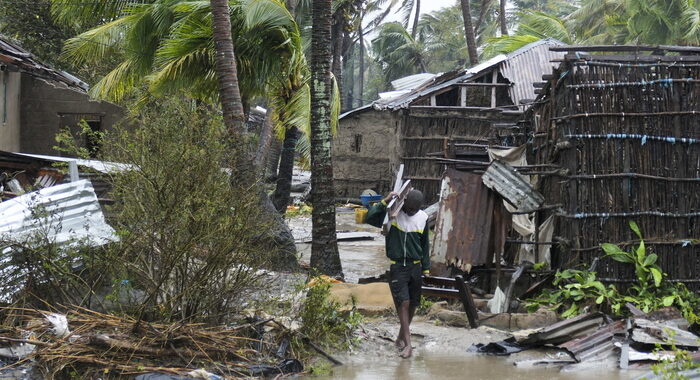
[(45, 106), (363, 152), (10, 92)]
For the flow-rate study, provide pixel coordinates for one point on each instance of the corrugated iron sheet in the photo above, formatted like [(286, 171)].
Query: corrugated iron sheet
[(468, 229), (66, 214), (100, 166), (526, 66), (522, 67), (504, 180), (13, 54), (597, 345), (566, 330), (412, 81)]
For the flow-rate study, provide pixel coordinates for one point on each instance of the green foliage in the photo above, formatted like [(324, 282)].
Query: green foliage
[(673, 368), (190, 238), (294, 211), (424, 306), (577, 289), (323, 321), (76, 145)]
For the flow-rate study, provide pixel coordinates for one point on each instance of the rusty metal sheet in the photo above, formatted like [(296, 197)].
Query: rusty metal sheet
[(506, 181), (564, 331), (597, 345), (463, 230)]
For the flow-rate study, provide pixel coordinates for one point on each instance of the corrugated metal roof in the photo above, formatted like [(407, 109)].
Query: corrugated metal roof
[(100, 166), (412, 81), (67, 213), (506, 181), (13, 54), (522, 67), (526, 66)]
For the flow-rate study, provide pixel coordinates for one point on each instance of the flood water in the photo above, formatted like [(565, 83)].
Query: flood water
[(441, 353), (461, 367)]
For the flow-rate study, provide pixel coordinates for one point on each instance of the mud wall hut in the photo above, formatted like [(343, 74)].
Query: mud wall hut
[(36, 101), (621, 128), (416, 123)]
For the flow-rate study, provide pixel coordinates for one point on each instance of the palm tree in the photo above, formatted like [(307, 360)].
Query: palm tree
[(533, 26), (398, 53), (229, 95), (324, 246), (469, 32)]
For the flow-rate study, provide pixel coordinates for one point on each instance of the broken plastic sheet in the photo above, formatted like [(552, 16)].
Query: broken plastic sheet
[(523, 223), (497, 304), (502, 348)]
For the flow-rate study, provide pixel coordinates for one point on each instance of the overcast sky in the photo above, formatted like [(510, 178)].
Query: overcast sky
[(426, 7)]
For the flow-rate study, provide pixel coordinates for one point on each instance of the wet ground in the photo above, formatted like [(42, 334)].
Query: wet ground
[(360, 259), (440, 351)]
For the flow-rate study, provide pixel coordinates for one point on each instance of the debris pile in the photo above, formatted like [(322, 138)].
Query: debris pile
[(594, 338), (87, 342)]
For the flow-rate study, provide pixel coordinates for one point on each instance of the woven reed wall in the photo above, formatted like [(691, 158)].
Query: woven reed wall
[(623, 122)]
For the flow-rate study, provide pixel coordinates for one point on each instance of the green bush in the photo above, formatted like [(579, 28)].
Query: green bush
[(322, 319), (190, 234), (578, 289)]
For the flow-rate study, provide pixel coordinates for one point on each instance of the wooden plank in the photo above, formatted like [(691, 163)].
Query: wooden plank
[(398, 182), (463, 96), (472, 84), (397, 203), (494, 80), (469, 307), (440, 292)]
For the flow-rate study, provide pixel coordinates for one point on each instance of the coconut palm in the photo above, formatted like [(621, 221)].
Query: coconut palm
[(324, 246), (398, 53), (226, 71)]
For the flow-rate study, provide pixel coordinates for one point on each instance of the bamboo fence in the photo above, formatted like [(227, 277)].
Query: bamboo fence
[(625, 131)]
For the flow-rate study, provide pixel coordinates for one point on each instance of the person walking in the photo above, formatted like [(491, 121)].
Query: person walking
[(408, 249)]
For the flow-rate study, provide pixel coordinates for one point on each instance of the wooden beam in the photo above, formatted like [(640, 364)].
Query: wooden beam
[(463, 96), (628, 48), (494, 80), (468, 302), (495, 84)]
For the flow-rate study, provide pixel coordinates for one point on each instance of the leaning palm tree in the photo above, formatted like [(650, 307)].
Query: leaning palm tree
[(324, 246)]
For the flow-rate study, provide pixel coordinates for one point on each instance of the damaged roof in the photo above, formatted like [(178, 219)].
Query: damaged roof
[(522, 68), (14, 55)]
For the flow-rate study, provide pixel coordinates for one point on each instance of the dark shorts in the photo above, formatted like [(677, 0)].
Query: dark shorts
[(405, 283)]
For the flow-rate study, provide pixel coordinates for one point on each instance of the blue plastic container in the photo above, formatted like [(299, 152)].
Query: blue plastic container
[(368, 199)]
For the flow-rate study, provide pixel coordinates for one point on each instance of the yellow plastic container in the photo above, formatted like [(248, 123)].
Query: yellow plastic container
[(360, 214)]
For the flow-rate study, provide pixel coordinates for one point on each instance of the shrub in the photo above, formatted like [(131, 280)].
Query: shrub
[(190, 234)]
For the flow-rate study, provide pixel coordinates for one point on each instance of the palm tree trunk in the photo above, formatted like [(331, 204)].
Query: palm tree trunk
[(502, 18), (415, 20), (469, 32), (264, 144), (291, 6), (229, 94), (349, 78), (337, 43), (361, 79), (324, 247), (284, 175)]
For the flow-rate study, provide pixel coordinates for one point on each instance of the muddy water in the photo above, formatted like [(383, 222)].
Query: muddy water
[(440, 352), (460, 367)]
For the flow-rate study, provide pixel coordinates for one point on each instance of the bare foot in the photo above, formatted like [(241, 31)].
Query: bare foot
[(399, 343), (407, 352)]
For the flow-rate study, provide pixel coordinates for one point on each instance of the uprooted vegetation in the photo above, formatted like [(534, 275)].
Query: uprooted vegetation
[(578, 291), (188, 253)]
